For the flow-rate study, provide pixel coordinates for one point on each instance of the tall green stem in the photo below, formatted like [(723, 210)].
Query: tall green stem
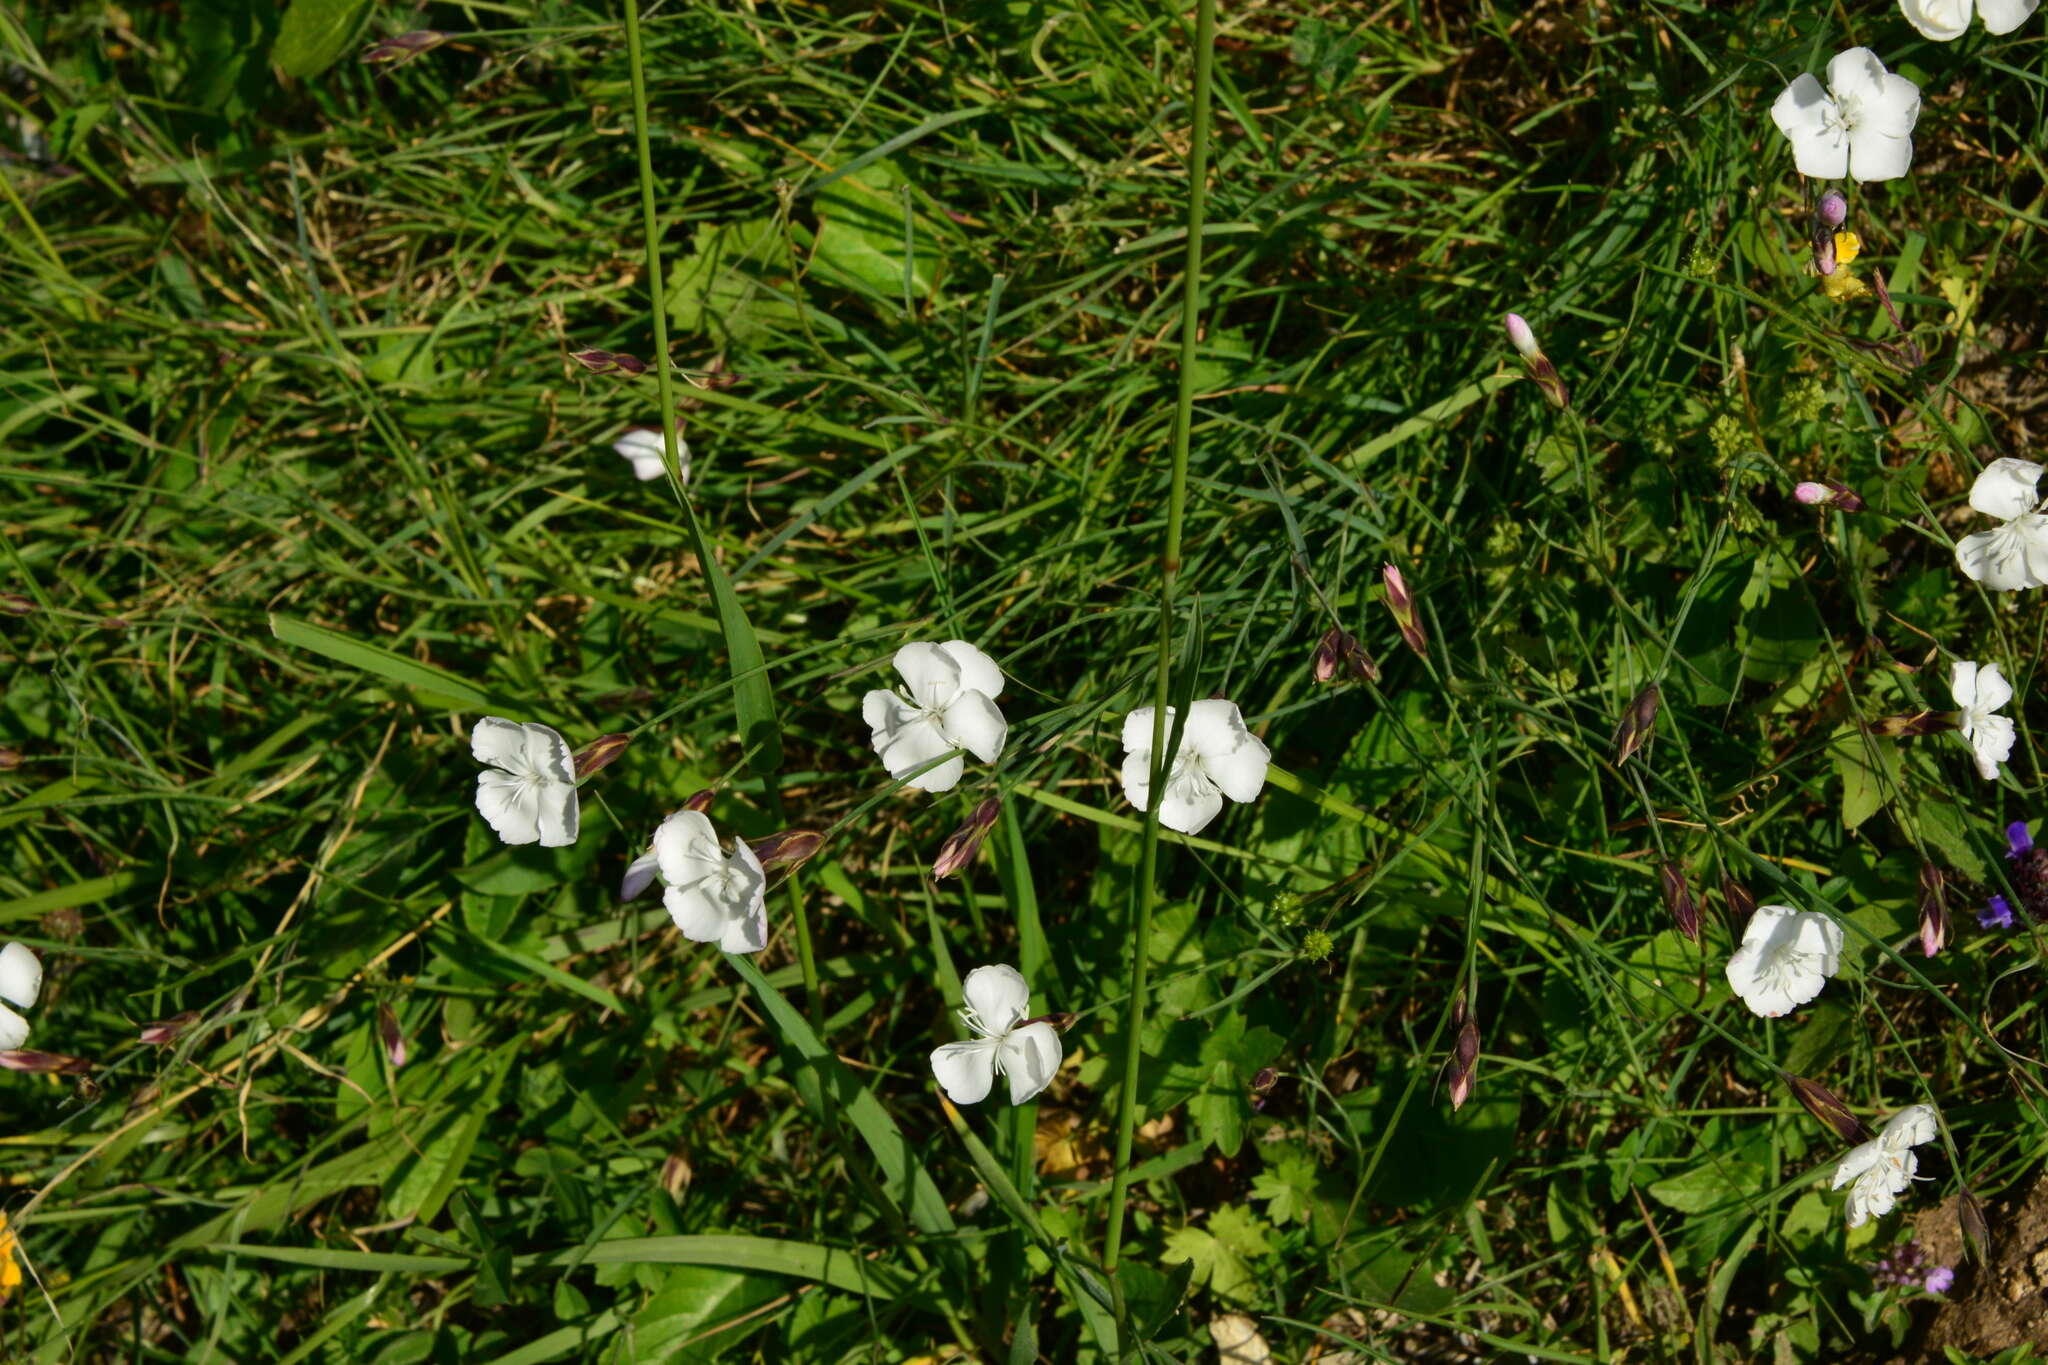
[(1169, 575), (665, 383)]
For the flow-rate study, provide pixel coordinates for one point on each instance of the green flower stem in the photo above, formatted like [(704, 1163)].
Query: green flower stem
[(665, 383), (1169, 574)]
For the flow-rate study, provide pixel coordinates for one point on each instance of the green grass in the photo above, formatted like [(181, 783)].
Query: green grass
[(300, 481)]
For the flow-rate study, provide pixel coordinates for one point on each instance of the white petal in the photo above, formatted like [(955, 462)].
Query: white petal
[(916, 743), (998, 996), (2007, 488), (500, 743), (932, 675), (886, 713), (977, 670), (511, 805), (1993, 691), (2003, 16), (560, 815), (1030, 1057), (966, 1071), (643, 447), (1962, 683), (1998, 558), (21, 974), (686, 849), (746, 932), (1190, 803), (972, 722), (13, 1030), (639, 876), (1910, 1127), (1991, 740), (1234, 758), (1941, 20), (1855, 74), (1822, 937), (696, 912), (1765, 923), (1858, 1160), (1137, 779), (1137, 734), (1802, 113), (548, 754), (1875, 155)]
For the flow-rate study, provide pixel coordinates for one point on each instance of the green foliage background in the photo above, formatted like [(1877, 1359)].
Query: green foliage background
[(300, 481)]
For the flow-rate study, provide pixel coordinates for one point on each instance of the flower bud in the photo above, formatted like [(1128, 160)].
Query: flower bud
[(1464, 1053), (48, 1063), (605, 362), (1402, 603), (1679, 900), (1741, 905), (10, 759), (1933, 911), (404, 47), (791, 846), (1976, 1230), (14, 604), (700, 801), (599, 753), (166, 1031), (1833, 210), (394, 1040), (1261, 1083), (1519, 334), (1638, 723), (1913, 723), (963, 845), (1828, 493), (1534, 361), (1339, 652), (1825, 1105)]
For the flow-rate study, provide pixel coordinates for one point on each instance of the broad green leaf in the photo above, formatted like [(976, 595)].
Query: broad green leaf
[(437, 686), (1288, 1188), (314, 34), (676, 1324)]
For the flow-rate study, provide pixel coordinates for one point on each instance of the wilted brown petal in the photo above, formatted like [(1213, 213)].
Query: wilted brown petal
[(1933, 911), (1679, 900), (167, 1030), (599, 753), (51, 1062), (791, 846), (1976, 1230), (394, 1040), (1638, 723), (1825, 1105)]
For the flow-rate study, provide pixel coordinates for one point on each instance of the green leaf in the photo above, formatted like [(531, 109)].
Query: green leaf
[(314, 34), (1238, 1228), (673, 1324), (1216, 1264), (1288, 1188), (1708, 1187), (1871, 771), (752, 699), (1221, 1110), (436, 686)]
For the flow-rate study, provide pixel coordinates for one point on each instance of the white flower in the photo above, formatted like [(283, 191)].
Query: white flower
[(948, 703), (21, 980), (2015, 555), (1860, 126), (1029, 1054), (1979, 692), (640, 874), (529, 792), (1786, 956), (1882, 1167), (1217, 757), (642, 446), (711, 897), (1945, 20)]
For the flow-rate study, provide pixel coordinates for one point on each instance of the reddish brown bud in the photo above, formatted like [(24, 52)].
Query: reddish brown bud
[(599, 753), (1402, 603), (1261, 1083), (1638, 723), (1916, 723), (1976, 1229), (167, 1030), (964, 844), (1679, 900), (53, 1063), (1825, 1105), (14, 604), (1741, 905), (700, 801), (404, 47), (1933, 911), (605, 362), (1339, 653), (394, 1040), (791, 846), (10, 759), (1464, 1063)]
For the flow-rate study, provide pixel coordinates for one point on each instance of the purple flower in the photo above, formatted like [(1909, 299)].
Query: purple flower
[(1996, 915), (1938, 1280), (2017, 836)]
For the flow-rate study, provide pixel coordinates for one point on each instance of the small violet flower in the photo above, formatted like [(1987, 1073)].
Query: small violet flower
[(1879, 1171), (1859, 125), (1939, 1280), (712, 898), (2015, 556), (1218, 757), (1946, 20), (949, 703), (1005, 1043), (642, 447), (1979, 692), (1786, 957), (1996, 914), (21, 981), (528, 793)]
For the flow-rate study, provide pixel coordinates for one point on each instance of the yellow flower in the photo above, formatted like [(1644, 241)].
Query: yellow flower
[(10, 1269), (1847, 246)]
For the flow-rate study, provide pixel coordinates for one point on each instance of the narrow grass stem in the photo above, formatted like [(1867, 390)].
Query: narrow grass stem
[(1169, 573), (665, 384)]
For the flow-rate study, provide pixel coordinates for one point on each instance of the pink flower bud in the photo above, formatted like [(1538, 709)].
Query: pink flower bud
[(1339, 653), (1825, 1105), (52, 1063), (605, 362), (963, 845), (404, 47), (1679, 900), (393, 1038), (700, 801), (1828, 493), (1523, 339), (167, 1030), (1538, 364), (791, 846), (1638, 723), (1464, 1053), (1933, 911), (599, 753), (1833, 210), (1402, 603)]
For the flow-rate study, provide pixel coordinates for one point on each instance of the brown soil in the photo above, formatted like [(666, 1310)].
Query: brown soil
[(1992, 1307)]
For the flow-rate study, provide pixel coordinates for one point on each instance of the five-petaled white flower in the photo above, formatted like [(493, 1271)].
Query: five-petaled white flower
[(1004, 1045), (21, 980), (1860, 125), (642, 446), (1786, 956), (711, 897), (2015, 555), (529, 791), (1882, 1167), (1979, 692), (948, 703), (1218, 757), (1945, 20)]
